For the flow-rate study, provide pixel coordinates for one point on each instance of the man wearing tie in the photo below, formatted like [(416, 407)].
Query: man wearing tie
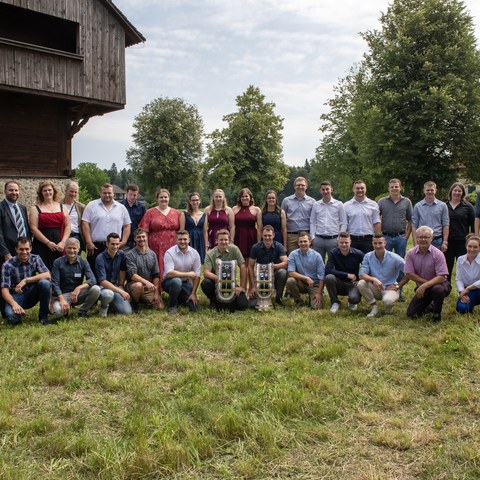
[(13, 222)]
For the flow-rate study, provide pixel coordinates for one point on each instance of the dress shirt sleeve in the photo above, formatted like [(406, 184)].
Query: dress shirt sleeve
[(87, 271), (197, 264), (365, 268), (408, 213), (6, 276), (100, 269), (39, 265), (320, 268), (376, 213), (56, 276), (292, 264), (459, 277), (445, 216), (313, 221), (168, 263), (409, 267), (131, 265), (415, 217)]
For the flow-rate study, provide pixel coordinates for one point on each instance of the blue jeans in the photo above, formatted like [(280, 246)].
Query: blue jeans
[(116, 304), (438, 243), (397, 244), (178, 290), (32, 294), (474, 296)]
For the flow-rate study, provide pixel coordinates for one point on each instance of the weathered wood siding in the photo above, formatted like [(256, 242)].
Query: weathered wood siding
[(100, 72), (33, 136)]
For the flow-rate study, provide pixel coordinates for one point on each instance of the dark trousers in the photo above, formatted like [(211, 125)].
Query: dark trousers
[(100, 247), (363, 244), (238, 303), (336, 286), (435, 294), (454, 250), (179, 290)]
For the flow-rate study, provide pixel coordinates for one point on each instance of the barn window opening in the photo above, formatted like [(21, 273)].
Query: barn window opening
[(38, 29)]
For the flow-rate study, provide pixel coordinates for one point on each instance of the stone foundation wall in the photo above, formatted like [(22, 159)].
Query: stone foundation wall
[(29, 185)]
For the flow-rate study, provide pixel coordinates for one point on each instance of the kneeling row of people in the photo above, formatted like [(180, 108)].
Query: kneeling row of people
[(377, 275)]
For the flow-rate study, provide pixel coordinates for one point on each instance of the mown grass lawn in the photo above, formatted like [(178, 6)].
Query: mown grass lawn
[(286, 394)]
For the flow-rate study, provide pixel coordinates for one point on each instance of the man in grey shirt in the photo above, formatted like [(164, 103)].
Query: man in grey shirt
[(297, 208), (143, 273), (432, 213)]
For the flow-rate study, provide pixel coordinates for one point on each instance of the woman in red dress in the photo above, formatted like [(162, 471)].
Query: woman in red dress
[(49, 223), (161, 223), (217, 217), (248, 222)]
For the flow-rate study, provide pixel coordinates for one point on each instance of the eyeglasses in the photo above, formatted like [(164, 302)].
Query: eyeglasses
[(423, 237)]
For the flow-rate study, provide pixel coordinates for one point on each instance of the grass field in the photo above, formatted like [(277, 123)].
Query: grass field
[(285, 394)]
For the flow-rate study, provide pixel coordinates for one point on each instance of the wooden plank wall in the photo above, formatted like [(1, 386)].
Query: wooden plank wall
[(100, 75)]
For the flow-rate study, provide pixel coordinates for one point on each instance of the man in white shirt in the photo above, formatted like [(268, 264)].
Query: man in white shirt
[(182, 274), (363, 217), (327, 220), (102, 217)]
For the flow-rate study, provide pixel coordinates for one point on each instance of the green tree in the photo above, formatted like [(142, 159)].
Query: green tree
[(248, 151), (90, 178), (168, 145), (412, 108)]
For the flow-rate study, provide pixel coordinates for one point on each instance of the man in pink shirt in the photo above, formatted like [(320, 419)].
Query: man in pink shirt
[(426, 266)]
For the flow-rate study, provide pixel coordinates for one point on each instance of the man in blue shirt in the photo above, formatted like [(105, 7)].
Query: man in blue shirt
[(136, 210), (265, 252), (342, 273), (69, 287), (378, 276), (306, 273), (111, 271), (25, 282)]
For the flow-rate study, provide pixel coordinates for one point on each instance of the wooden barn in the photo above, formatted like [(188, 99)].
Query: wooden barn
[(61, 63)]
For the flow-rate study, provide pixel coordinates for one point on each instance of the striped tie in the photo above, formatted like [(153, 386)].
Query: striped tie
[(19, 221)]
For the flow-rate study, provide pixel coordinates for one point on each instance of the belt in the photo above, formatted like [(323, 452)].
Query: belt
[(293, 233), (326, 237), (361, 237), (396, 234), (100, 243)]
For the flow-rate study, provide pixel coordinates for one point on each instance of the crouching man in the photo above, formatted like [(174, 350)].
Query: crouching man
[(144, 273), (182, 274), (378, 276), (226, 252), (73, 282), (111, 271), (25, 282)]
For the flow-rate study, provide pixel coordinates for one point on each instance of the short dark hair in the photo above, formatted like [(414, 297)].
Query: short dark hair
[(222, 231), (326, 182), (112, 235), (139, 231), (133, 187), (23, 240), (182, 232), (378, 235), (343, 235), (9, 182), (304, 234), (269, 228)]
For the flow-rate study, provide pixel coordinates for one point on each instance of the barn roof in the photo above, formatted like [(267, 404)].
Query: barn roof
[(132, 35)]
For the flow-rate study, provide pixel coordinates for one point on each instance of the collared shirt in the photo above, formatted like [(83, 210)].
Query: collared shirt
[(427, 265), (103, 221), (66, 276), (385, 270), (136, 213), (327, 218), (263, 255), (361, 216), (188, 261), (462, 220), (467, 273), (309, 264), (232, 253), (144, 264), (14, 271), (298, 211), (341, 265), (433, 215), (108, 268), (395, 215)]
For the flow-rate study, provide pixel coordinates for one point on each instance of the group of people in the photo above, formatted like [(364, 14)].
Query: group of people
[(356, 249)]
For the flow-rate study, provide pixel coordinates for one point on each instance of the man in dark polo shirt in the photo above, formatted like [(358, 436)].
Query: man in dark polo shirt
[(342, 272), (265, 252)]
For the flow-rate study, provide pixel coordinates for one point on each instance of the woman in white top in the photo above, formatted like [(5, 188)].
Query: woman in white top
[(75, 211), (468, 276)]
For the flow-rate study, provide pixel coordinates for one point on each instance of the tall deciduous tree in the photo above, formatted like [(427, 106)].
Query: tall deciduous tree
[(248, 151), (412, 110), (90, 178), (168, 147)]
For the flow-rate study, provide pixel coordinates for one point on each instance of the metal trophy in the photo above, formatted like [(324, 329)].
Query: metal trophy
[(227, 280), (264, 286)]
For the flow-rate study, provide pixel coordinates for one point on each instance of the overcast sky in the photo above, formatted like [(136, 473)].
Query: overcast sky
[(209, 51)]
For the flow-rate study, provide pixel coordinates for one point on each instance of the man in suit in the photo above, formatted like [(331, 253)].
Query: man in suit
[(13, 222)]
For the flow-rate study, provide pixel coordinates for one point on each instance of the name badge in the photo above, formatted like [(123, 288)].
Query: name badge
[(77, 275)]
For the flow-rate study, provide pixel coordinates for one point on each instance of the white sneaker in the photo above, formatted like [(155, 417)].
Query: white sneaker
[(352, 306), (335, 307), (103, 311), (373, 311)]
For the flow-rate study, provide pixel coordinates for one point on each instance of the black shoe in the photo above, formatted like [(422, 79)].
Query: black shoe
[(135, 307), (82, 314), (436, 317), (47, 321)]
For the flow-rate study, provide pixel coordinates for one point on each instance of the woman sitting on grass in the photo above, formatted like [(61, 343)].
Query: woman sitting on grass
[(468, 276)]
